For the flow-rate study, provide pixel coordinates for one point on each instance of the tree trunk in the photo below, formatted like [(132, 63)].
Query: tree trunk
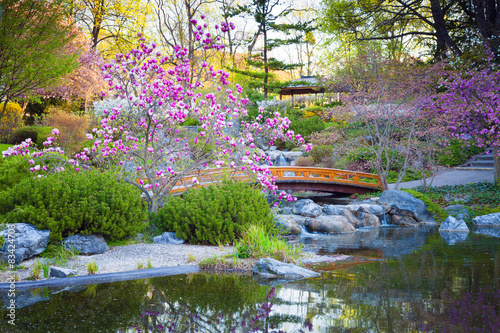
[(496, 159), (442, 35), (266, 69)]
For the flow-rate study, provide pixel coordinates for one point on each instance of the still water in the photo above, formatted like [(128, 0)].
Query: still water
[(399, 280)]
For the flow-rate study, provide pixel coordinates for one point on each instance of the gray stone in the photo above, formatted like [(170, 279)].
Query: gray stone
[(271, 268), (28, 241), (59, 272), (330, 224), (286, 210), (404, 201), (352, 218), (287, 224), (333, 209), (452, 238), (86, 244), (369, 220), (490, 220), (403, 220), (307, 207), (452, 224), (168, 238), (377, 210), (461, 212)]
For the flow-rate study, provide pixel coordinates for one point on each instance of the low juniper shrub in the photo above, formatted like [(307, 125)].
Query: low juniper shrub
[(69, 203)]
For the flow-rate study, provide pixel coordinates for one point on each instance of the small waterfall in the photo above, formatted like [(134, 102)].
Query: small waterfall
[(281, 161), (383, 222)]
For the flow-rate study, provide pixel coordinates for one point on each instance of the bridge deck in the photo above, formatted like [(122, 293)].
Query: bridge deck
[(295, 178)]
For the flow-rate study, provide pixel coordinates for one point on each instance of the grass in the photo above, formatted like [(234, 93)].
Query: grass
[(257, 243), (92, 267), (191, 258), (59, 255), (45, 268), (4, 146), (37, 269), (140, 265)]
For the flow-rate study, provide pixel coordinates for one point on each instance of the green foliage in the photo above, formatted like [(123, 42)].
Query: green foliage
[(215, 214), (59, 254), (68, 203), (13, 169), (2, 241), (191, 122), (439, 214), (306, 127), (476, 194), (92, 267), (320, 152), (454, 154), (37, 134), (257, 243), (11, 119)]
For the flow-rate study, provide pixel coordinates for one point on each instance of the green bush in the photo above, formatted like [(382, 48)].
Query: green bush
[(454, 154), (13, 169), (318, 153), (68, 203), (38, 135), (215, 214), (191, 122), (306, 127), (439, 214)]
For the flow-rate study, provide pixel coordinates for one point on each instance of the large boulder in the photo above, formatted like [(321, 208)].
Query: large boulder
[(404, 220), (461, 212), (333, 209), (452, 224), (86, 244), (352, 218), (330, 224), (28, 241), (307, 207), (490, 220), (487, 231), (271, 268), (369, 220), (287, 224), (377, 210), (168, 238), (405, 202)]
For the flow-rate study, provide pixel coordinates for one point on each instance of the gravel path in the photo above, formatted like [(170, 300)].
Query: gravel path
[(126, 258)]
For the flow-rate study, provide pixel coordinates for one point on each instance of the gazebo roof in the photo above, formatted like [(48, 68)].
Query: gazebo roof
[(303, 86)]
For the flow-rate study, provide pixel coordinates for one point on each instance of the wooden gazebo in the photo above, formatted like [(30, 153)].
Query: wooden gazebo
[(306, 85)]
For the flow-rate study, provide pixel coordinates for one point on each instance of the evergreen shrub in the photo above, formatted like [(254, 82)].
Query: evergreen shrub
[(13, 170), (38, 135), (69, 203), (318, 153), (215, 214)]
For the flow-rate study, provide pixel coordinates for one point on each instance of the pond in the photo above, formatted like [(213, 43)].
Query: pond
[(429, 285)]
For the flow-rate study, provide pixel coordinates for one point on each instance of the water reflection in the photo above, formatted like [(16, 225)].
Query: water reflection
[(435, 288)]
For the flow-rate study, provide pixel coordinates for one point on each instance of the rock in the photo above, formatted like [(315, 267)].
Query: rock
[(452, 224), (286, 210), (333, 209), (452, 238), (490, 220), (272, 148), (292, 155), (59, 272), (406, 202), (334, 224), (352, 218), (168, 238), (369, 220), (86, 244), (28, 241), (311, 225), (459, 211), (306, 207), (377, 210), (271, 268), (403, 220), (487, 231), (287, 224)]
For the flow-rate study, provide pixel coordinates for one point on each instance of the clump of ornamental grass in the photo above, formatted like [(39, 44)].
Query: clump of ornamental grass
[(92, 267), (257, 243)]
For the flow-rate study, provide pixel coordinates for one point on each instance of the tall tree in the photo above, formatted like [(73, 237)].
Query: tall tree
[(267, 14), (33, 36), (440, 24)]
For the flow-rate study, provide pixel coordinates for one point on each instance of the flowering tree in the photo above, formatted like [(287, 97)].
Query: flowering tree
[(143, 138), (470, 105)]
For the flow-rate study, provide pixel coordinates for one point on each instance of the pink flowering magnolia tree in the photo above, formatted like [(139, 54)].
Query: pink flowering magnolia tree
[(143, 138), (470, 106)]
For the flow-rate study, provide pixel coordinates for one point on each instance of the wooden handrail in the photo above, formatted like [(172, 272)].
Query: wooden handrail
[(324, 175)]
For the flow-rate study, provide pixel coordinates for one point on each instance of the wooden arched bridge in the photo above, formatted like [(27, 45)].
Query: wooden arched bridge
[(296, 178)]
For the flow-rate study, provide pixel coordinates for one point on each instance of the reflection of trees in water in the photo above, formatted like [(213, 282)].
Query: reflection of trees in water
[(208, 303)]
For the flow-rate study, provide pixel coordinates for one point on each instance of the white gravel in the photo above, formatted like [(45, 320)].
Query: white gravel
[(126, 258)]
